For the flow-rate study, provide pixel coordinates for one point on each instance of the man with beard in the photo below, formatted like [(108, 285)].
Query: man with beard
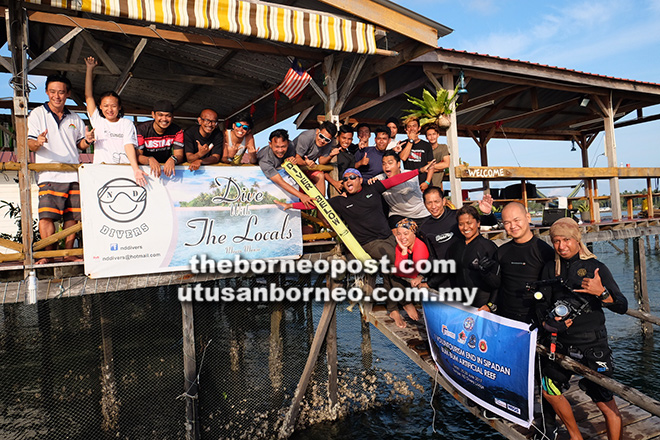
[(203, 143)]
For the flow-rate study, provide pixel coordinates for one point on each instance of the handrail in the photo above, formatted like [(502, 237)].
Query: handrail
[(15, 166), (628, 393)]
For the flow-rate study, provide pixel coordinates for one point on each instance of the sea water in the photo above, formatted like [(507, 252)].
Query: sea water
[(54, 385)]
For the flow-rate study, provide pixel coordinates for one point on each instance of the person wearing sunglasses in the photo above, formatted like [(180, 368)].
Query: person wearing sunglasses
[(239, 142), (310, 145), (362, 211), (203, 143)]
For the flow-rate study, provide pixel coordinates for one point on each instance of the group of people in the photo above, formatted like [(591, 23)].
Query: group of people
[(561, 288), (396, 185)]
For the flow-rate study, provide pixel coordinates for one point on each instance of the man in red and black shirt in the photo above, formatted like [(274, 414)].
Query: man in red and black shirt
[(160, 141)]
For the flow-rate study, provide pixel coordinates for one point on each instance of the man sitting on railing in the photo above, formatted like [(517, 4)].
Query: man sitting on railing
[(53, 134), (572, 314)]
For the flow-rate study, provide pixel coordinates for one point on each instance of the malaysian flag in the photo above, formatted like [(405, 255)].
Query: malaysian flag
[(295, 81)]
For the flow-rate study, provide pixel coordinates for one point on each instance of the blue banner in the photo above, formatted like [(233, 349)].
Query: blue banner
[(488, 358)]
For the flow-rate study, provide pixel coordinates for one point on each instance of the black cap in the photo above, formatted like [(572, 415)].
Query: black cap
[(163, 106)]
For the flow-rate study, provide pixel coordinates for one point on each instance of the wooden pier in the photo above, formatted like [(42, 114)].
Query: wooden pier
[(638, 424)]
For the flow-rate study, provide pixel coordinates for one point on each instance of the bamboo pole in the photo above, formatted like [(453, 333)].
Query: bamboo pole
[(331, 352)]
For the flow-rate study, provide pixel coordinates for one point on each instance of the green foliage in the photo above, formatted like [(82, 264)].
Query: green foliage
[(582, 205), (430, 108), (14, 212)]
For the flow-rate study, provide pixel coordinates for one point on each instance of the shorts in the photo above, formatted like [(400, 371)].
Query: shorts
[(59, 201), (596, 356)]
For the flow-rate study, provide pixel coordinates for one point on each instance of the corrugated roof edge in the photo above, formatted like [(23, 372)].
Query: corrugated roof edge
[(442, 29), (530, 63)]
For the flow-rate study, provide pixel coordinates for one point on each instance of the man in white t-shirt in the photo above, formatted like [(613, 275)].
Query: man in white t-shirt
[(54, 135)]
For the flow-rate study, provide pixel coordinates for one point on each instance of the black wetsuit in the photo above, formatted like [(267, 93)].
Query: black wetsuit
[(520, 263), (586, 339), (441, 233), (468, 273)]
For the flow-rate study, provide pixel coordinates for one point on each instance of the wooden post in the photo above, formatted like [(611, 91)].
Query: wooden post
[(321, 331), (16, 19), (365, 346), (641, 288), (275, 347), (649, 197), (523, 191), (189, 370), (331, 352), (109, 400), (452, 143), (610, 150)]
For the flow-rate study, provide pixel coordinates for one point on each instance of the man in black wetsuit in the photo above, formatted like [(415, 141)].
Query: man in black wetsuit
[(579, 328), (441, 229), (521, 261)]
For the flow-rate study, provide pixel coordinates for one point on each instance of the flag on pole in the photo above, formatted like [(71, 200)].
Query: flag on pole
[(295, 80)]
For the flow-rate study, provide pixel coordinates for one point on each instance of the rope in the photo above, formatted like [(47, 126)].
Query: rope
[(435, 386)]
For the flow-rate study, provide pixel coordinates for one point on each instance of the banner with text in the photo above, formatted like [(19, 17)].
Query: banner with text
[(488, 358), (217, 211)]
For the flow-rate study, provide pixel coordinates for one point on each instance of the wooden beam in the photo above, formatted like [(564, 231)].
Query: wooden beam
[(431, 76), (51, 239), (18, 247), (545, 74), (531, 113), (54, 48), (172, 36), (329, 309), (389, 19), (640, 287), (517, 173), (349, 82), (121, 82), (101, 53), (374, 102), (18, 42), (382, 85)]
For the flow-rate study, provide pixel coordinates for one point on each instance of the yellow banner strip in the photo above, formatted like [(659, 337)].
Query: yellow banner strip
[(326, 210)]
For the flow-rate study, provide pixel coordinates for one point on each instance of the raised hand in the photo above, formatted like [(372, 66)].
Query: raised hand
[(202, 149), (426, 167), (42, 138), (91, 62), (592, 286), (486, 204), (89, 135)]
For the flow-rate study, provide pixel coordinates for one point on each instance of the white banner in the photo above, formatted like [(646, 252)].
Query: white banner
[(216, 211)]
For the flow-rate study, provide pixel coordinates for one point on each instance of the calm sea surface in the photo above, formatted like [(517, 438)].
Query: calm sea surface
[(249, 359)]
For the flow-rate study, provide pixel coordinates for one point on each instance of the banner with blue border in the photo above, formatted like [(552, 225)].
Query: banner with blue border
[(488, 358)]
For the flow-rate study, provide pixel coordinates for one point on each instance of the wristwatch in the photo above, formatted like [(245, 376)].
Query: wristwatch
[(603, 296), (492, 307)]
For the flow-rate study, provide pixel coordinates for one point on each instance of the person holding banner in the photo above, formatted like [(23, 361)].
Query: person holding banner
[(202, 143), (476, 265), (271, 158), (575, 290)]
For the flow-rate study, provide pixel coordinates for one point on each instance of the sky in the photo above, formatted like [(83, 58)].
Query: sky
[(613, 38)]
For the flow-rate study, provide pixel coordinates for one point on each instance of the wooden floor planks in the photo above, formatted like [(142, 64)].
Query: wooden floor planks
[(638, 423)]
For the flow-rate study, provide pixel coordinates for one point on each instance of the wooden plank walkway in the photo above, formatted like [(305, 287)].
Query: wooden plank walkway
[(412, 341)]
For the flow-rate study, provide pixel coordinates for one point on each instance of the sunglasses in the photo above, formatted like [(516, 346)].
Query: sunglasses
[(350, 177), (239, 125), (209, 121), (324, 139)]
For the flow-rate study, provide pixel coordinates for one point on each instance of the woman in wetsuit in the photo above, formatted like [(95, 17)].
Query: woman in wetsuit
[(476, 265)]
